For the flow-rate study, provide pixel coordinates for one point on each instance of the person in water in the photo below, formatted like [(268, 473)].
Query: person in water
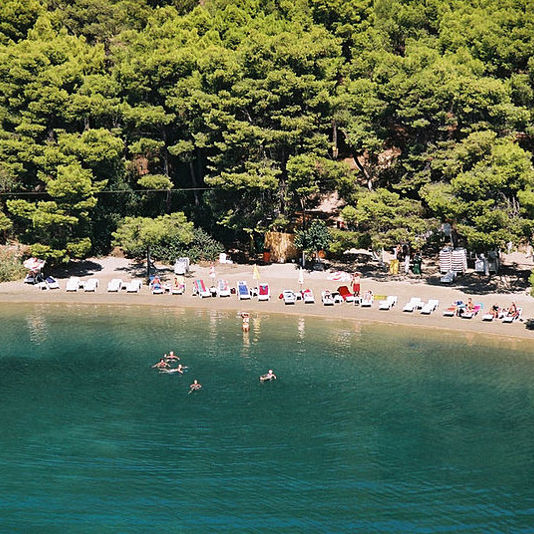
[(162, 364), (268, 376), (180, 369), (172, 356), (195, 386)]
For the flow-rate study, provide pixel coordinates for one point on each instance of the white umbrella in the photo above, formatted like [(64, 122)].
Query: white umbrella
[(34, 264)]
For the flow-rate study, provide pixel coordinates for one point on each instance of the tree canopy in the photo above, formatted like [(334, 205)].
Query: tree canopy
[(243, 114)]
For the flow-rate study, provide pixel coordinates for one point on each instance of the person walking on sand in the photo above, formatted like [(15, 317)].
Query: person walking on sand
[(195, 386)]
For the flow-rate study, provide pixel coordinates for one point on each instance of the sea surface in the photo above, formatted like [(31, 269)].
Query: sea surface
[(369, 428)]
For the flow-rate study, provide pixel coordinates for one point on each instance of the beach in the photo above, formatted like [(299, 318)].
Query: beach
[(280, 277)]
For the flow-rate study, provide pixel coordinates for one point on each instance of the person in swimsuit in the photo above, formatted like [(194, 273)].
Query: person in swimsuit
[(512, 310), (195, 386), (268, 376), (162, 364), (172, 356)]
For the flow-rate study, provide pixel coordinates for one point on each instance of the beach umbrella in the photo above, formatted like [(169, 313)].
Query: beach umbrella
[(34, 264), (255, 273)]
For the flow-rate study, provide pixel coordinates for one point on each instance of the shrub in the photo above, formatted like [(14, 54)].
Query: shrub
[(203, 247), (11, 267), (314, 238)]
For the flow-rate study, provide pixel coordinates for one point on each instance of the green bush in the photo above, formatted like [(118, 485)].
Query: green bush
[(11, 267), (345, 240), (203, 247), (531, 280)]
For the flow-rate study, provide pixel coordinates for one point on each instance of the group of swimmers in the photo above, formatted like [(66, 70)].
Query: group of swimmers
[(165, 365)]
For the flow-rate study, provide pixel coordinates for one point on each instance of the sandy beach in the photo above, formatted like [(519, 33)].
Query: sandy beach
[(279, 277)]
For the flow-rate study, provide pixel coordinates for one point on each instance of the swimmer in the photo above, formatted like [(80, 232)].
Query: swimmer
[(162, 364), (195, 386), (172, 356), (180, 368), (268, 376)]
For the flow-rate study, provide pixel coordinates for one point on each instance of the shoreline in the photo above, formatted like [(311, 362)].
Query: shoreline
[(280, 277), (342, 312)]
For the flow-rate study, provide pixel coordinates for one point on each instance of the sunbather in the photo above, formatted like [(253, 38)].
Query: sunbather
[(512, 310), (494, 312)]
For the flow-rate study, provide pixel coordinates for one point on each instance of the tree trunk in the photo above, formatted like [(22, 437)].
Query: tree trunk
[(194, 182), (148, 264), (335, 150), (361, 168)]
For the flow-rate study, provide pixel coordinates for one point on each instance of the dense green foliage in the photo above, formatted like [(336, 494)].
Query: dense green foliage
[(202, 247), (242, 114), (314, 238), (11, 267), (136, 234)]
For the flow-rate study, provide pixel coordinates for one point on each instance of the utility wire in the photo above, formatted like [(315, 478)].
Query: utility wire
[(110, 191)]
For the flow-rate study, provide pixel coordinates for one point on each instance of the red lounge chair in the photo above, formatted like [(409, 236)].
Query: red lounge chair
[(264, 292), (345, 293)]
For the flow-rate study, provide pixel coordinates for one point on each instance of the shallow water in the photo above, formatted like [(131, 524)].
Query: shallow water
[(369, 428)]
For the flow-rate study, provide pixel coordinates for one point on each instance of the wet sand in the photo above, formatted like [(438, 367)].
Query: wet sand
[(281, 277)]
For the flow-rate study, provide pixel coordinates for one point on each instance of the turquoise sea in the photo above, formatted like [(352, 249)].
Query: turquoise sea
[(369, 428)]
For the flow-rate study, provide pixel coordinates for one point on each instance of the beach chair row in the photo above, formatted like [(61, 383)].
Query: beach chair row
[(74, 284), (221, 288)]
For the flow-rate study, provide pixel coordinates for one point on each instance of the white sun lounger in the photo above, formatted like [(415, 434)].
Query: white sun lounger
[(307, 296), (73, 283), (178, 285), (327, 298), (49, 283), (90, 285), (289, 296), (115, 285), (512, 318), (158, 288), (134, 286), (200, 289), (429, 307), (388, 303), (243, 292), (367, 301), (413, 304), (264, 292), (489, 316), (223, 289)]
